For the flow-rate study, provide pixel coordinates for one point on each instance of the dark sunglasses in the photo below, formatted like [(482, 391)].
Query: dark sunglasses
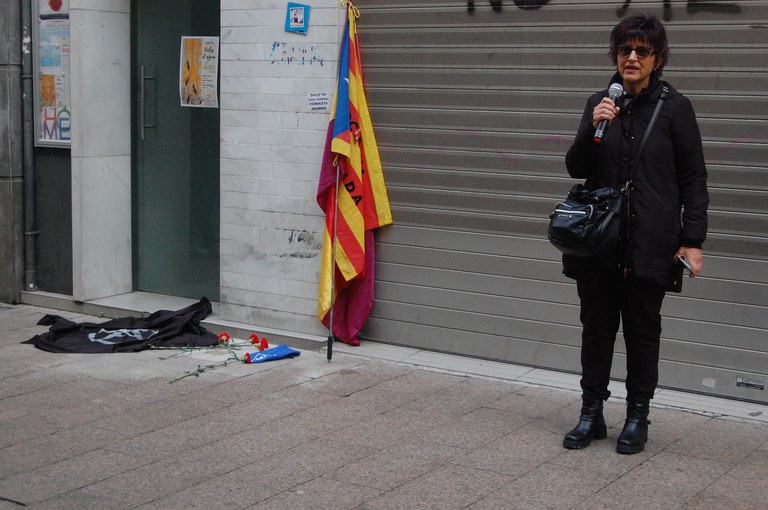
[(625, 50)]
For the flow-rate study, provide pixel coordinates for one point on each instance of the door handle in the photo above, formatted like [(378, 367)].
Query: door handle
[(142, 100)]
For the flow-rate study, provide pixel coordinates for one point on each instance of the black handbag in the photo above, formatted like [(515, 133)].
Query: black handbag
[(588, 222)]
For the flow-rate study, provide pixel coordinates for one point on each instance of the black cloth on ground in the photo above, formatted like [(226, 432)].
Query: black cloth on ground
[(163, 328)]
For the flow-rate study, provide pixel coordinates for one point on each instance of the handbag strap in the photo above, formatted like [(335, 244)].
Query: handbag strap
[(647, 134)]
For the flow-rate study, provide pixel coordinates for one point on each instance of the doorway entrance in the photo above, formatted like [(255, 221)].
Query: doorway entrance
[(175, 156)]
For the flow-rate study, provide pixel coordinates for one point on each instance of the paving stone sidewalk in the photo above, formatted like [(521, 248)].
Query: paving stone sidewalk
[(112, 432)]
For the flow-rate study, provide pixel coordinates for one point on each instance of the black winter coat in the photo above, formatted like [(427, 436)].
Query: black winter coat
[(669, 198)]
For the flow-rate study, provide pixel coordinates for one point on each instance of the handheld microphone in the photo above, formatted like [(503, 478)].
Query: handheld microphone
[(615, 91)]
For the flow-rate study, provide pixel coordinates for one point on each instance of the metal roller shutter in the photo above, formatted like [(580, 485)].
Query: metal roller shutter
[(474, 112)]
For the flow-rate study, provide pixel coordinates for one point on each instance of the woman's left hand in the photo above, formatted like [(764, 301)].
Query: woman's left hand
[(694, 257)]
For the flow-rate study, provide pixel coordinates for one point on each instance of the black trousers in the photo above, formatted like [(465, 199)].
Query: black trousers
[(608, 299)]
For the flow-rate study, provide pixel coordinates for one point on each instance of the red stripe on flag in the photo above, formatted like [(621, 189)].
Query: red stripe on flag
[(351, 156)]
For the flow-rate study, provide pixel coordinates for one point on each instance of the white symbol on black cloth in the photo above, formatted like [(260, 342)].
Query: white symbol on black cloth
[(104, 336)]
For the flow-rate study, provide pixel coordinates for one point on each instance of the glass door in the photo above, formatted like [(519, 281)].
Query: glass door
[(175, 156)]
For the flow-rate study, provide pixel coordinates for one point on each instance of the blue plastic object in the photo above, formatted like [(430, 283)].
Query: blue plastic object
[(279, 352)]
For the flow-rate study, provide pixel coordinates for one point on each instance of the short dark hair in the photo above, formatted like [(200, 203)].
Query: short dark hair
[(644, 28)]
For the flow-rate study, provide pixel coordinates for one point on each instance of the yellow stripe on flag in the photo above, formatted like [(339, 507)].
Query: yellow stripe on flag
[(363, 204)]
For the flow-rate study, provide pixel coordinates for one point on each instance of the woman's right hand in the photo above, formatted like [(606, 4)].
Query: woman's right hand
[(605, 110)]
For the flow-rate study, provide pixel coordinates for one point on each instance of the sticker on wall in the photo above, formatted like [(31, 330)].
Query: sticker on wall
[(53, 9), (297, 18), (749, 383)]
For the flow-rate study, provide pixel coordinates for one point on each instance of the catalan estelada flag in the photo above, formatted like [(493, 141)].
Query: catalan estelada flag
[(362, 199)]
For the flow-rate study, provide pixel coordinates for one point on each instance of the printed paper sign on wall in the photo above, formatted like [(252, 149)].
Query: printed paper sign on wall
[(51, 73), (199, 72)]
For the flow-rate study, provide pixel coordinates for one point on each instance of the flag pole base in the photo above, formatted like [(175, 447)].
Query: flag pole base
[(330, 347)]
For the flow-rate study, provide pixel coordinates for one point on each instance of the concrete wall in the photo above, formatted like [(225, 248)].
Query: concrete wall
[(11, 181), (101, 147), (271, 148), (53, 216)]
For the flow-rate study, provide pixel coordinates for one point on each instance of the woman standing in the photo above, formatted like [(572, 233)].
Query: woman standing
[(666, 219)]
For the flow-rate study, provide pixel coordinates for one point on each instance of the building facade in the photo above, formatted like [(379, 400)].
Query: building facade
[(474, 104), (11, 168)]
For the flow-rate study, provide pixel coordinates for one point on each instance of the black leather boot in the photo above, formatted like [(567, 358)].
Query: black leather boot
[(591, 425), (634, 435)]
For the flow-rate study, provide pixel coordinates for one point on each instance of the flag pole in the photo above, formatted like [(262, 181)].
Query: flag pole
[(329, 353), (331, 338)]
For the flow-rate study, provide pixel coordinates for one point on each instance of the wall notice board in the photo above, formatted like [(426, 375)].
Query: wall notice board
[(53, 117)]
